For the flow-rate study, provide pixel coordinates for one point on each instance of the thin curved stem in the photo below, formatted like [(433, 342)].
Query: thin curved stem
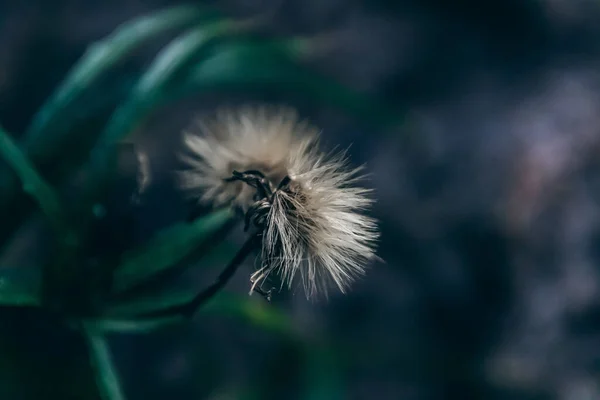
[(188, 309)]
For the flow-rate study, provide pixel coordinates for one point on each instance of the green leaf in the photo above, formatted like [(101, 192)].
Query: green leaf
[(146, 304), (20, 287), (168, 248), (176, 57), (102, 364), (51, 131), (164, 297), (98, 59), (133, 326), (33, 183), (254, 311), (168, 64), (259, 65)]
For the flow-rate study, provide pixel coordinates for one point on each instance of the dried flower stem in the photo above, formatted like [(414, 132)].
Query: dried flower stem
[(189, 309)]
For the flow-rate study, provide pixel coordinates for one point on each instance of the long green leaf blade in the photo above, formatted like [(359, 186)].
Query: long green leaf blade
[(150, 303), (164, 297), (102, 365), (42, 142), (32, 182), (253, 311), (132, 326), (168, 64), (168, 248), (102, 56), (261, 65), (172, 60)]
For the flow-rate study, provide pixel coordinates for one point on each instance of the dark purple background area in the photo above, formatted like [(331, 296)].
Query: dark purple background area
[(487, 195)]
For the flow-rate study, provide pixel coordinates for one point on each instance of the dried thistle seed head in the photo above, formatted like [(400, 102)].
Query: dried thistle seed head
[(250, 139), (316, 227), (313, 223)]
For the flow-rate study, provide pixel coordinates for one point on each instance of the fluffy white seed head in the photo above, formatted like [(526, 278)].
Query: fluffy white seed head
[(315, 227), (252, 138)]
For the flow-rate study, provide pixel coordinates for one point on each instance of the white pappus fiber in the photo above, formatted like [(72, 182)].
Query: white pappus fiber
[(314, 226)]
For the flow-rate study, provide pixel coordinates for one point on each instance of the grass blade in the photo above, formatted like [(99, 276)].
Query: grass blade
[(277, 65), (174, 58), (102, 365), (167, 248), (133, 326), (33, 184), (170, 62), (99, 58), (254, 311), (51, 131)]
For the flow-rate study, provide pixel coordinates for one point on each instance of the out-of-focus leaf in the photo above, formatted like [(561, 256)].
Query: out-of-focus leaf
[(277, 65), (20, 287), (168, 64), (150, 303), (164, 297), (133, 326), (102, 364), (99, 58), (33, 183), (50, 132), (255, 311), (167, 248)]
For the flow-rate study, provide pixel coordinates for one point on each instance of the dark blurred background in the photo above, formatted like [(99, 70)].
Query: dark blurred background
[(487, 196)]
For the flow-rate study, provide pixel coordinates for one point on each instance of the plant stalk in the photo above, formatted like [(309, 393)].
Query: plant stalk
[(188, 309), (105, 371)]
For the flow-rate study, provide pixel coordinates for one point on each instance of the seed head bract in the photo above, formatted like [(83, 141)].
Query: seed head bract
[(315, 226)]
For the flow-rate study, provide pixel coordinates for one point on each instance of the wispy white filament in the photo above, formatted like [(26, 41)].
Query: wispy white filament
[(315, 228)]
